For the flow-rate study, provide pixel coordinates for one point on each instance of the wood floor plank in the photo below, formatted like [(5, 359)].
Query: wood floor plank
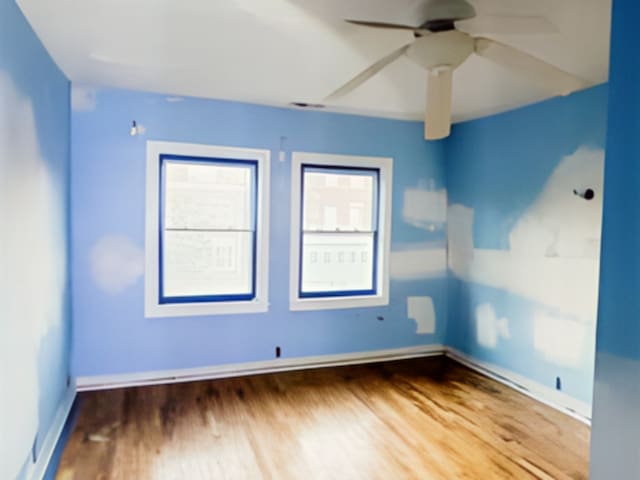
[(422, 418)]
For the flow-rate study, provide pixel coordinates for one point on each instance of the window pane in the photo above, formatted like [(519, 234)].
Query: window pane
[(207, 196), (337, 262), (338, 201), (207, 263)]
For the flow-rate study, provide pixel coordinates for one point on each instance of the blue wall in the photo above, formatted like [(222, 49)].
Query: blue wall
[(111, 335), (522, 296), (504, 173), (34, 293), (616, 403), (513, 174)]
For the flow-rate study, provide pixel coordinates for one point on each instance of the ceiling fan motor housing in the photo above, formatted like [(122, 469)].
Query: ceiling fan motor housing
[(441, 15)]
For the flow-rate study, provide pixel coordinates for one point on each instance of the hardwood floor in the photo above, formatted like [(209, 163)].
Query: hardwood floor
[(424, 418)]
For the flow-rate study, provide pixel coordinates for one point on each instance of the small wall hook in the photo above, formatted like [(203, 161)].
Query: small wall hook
[(136, 129), (587, 194)]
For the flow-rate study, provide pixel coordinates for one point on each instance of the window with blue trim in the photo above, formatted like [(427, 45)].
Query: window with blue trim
[(339, 231), (207, 229)]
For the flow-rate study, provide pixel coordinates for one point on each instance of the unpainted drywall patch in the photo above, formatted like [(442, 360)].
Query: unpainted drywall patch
[(460, 238), (560, 340), (116, 263), (560, 223), (422, 311), (418, 261), (553, 257), (425, 208), (33, 279), (490, 328)]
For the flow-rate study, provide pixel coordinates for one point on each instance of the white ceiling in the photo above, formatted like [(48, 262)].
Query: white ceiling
[(278, 51)]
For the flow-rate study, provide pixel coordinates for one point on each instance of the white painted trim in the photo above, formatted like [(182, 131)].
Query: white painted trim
[(53, 436), (385, 165), (557, 400), (261, 303), (541, 393), (103, 382)]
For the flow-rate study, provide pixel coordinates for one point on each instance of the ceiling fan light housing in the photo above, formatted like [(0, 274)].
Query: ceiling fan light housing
[(444, 48)]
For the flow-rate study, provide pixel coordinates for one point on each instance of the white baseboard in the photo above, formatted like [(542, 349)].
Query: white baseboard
[(52, 438), (558, 400), (103, 382)]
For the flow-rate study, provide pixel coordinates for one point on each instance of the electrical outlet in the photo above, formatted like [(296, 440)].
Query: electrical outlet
[(278, 352)]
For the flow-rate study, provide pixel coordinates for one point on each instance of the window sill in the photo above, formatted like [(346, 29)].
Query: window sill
[(156, 310), (335, 303)]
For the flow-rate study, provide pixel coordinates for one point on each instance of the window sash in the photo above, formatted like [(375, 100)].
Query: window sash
[(195, 260), (252, 166), (349, 255), (373, 232), (372, 173)]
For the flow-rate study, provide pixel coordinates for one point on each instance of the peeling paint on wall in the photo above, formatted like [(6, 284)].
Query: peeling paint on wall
[(421, 310)]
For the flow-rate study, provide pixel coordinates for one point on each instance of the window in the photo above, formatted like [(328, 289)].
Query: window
[(206, 232), (340, 231), (339, 224), (207, 229)]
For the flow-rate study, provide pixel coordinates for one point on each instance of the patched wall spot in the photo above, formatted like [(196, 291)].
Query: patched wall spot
[(490, 328), (422, 311), (116, 263)]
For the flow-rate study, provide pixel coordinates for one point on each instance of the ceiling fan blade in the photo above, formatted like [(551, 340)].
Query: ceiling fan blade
[(368, 73), (129, 61), (509, 25), (388, 26), (543, 73), (437, 122)]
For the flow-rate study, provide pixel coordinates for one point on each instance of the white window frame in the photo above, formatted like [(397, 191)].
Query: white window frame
[(153, 307), (385, 166)]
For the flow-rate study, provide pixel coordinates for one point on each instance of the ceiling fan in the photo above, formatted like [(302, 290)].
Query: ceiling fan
[(440, 47)]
